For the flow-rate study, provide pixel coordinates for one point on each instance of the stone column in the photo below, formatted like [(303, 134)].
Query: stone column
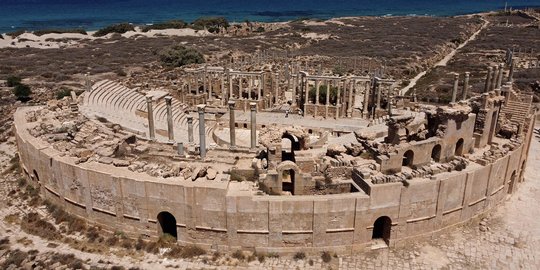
[(456, 85), (151, 130), (488, 79), (205, 79), (316, 107), (338, 100), (210, 88), (253, 107), (168, 101), (494, 78), (190, 128), (232, 122), (365, 106), (295, 82), (240, 90), (305, 87), (352, 85), (202, 131), (500, 77), (328, 86), (229, 77), (180, 149), (259, 87), (511, 73), (466, 85), (87, 82), (277, 88), (378, 89), (223, 91)]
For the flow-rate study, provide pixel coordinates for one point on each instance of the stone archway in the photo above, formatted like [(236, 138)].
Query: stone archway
[(408, 158), (436, 153), (289, 177), (382, 228), (167, 224), (459, 148)]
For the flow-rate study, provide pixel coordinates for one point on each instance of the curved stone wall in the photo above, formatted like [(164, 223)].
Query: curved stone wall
[(226, 215)]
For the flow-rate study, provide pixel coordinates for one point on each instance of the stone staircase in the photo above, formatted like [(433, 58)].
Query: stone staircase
[(517, 108)]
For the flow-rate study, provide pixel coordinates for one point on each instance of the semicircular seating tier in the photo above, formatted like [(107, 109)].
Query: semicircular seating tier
[(127, 108)]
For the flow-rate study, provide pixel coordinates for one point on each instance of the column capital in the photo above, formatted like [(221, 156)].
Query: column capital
[(189, 118), (200, 108), (253, 106), (168, 100), (148, 98), (467, 74), (456, 75), (231, 104)]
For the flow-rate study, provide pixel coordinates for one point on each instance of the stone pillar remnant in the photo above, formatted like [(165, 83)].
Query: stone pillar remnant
[(253, 107), (202, 131), (150, 109), (168, 101), (455, 89), (500, 76), (488, 79), (494, 78), (232, 127), (190, 128)]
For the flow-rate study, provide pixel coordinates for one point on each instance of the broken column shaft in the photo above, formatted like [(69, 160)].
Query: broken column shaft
[(500, 76), (455, 89), (232, 124), (202, 131), (253, 107), (151, 130), (168, 101), (190, 128), (488, 79)]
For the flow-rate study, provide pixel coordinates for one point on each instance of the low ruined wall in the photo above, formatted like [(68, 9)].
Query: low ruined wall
[(225, 216)]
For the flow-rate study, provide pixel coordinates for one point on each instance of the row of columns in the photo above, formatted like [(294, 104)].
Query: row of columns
[(465, 90), (232, 124), (494, 77), (170, 126)]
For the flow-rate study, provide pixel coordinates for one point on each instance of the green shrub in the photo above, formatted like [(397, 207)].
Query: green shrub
[(239, 255), (210, 22), (16, 33), (322, 94), (259, 29), (115, 28), (22, 92), (59, 31), (173, 24), (300, 255), (326, 256), (13, 81), (178, 55), (63, 92)]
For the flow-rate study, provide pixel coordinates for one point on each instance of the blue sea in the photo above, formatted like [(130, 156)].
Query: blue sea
[(94, 14)]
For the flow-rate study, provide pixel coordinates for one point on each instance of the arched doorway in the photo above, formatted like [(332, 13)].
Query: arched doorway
[(512, 182), (436, 153), (459, 148), (287, 180), (167, 224), (382, 229), (408, 158)]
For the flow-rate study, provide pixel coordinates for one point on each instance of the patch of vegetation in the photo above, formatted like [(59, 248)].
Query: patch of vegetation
[(13, 81), (74, 224), (322, 94), (189, 251), (326, 256), (300, 255), (115, 28), (212, 24), (178, 55), (239, 255), (259, 29), (32, 223), (63, 92), (173, 24), (60, 31), (22, 92), (16, 33), (15, 257)]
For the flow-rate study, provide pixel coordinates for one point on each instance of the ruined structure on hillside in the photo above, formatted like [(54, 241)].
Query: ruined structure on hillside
[(227, 158)]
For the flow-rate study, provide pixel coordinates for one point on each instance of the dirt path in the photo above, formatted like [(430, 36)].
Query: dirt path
[(443, 61)]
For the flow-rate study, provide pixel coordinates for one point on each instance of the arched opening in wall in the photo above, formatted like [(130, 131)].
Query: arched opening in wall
[(245, 125), (382, 229), (287, 150), (287, 181), (522, 171), (459, 148), (512, 182), (492, 127), (408, 158), (436, 153), (167, 224), (36, 176)]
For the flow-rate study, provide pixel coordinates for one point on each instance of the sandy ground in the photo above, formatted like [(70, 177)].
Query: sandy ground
[(54, 41)]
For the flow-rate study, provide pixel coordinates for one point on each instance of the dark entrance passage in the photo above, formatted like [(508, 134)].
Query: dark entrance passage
[(167, 224), (436, 153), (382, 229), (408, 158), (287, 181), (459, 148)]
